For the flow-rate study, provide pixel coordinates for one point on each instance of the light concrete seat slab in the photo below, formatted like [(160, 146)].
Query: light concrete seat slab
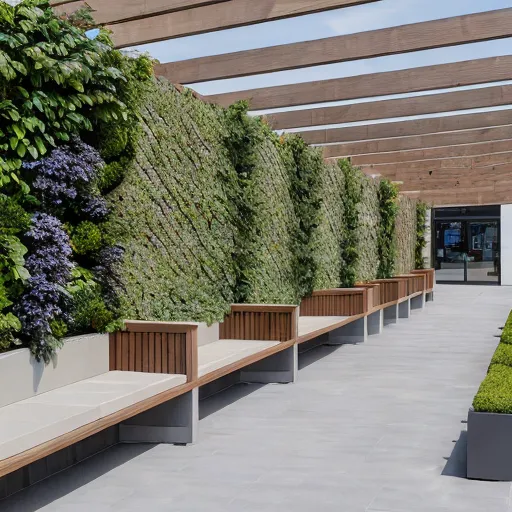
[(310, 324), (34, 421), (217, 355)]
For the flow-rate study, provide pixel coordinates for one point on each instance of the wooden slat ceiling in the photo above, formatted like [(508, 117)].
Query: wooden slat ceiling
[(219, 16), (408, 128), (461, 158), (389, 41), (428, 78), (384, 109)]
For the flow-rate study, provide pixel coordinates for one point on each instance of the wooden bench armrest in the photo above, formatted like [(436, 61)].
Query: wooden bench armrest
[(336, 302), (267, 322), (155, 347)]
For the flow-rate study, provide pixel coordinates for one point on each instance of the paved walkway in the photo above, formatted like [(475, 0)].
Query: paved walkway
[(373, 427)]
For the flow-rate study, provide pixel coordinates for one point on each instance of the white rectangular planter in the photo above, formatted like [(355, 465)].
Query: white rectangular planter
[(81, 357)]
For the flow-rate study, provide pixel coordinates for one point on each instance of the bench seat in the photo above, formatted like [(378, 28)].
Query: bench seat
[(222, 353), (37, 420), (317, 325)]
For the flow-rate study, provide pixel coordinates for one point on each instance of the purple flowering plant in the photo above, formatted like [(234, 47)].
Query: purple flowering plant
[(67, 180), (49, 265)]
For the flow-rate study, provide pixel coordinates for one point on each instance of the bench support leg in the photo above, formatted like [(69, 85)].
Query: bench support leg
[(281, 368), (429, 297), (418, 302), (173, 422), (404, 309), (355, 332), (375, 322), (391, 314)]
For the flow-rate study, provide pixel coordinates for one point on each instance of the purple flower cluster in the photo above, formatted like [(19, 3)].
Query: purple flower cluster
[(67, 177), (50, 266)]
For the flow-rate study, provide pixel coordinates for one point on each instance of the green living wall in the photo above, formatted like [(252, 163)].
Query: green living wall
[(405, 235), (125, 197)]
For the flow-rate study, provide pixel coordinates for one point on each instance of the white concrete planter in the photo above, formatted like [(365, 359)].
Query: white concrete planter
[(81, 357), (489, 447)]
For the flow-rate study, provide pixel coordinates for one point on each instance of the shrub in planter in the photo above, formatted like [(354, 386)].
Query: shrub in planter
[(503, 355), (506, 335), (495, 393)]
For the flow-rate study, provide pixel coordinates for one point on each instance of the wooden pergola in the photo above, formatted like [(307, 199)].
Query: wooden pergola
[(451, 157)]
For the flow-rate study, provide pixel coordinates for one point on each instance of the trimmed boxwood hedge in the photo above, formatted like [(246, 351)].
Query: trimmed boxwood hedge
[(495, 393)]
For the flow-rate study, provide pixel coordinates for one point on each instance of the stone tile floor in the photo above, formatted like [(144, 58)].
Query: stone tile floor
[(372, 427)]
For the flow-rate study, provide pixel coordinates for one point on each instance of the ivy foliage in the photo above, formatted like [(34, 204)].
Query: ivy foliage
[(243, 135), (55, 82), (329, 236), (171, 214), (421, 232), (352, 198), (306, 167), (388, 201)]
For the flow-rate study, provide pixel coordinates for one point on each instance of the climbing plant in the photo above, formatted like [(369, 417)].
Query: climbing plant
[(352, 197), (305, 167), (421, 230), (388, 196)]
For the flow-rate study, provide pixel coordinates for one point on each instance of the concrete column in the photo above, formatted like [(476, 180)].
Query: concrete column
[(355, 332), (404, 309), (280, 368), (391, 315), (173, 422), (375, 322), (418, 302)]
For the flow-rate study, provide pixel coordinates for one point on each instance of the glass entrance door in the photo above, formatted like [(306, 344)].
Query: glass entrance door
[(451, 251), (468, 251), (484, 251)]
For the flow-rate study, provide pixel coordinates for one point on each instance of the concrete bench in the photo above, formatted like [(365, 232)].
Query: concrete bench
[(255, 343), (334, 317), (54, 416)]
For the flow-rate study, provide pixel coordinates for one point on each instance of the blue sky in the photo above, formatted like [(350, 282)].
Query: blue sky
[(386, 13)]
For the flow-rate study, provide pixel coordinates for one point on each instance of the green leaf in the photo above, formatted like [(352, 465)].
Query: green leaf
[(19, 131), (14, 142), (21, 150), (40, 145), (37, 103), (33, 151)]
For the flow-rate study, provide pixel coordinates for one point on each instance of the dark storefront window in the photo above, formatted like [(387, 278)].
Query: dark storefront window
[(467, 244)]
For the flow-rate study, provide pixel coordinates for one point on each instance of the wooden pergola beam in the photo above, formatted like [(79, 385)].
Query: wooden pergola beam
[(478, 149), (418, 142), (399, 129), (448, 174), (463, 197), (387, 109), (470, 28), (221, 16), (428, 78), (116, 11), (477, 162)]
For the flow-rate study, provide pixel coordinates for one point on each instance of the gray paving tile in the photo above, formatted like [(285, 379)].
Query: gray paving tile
[(367, 427)]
